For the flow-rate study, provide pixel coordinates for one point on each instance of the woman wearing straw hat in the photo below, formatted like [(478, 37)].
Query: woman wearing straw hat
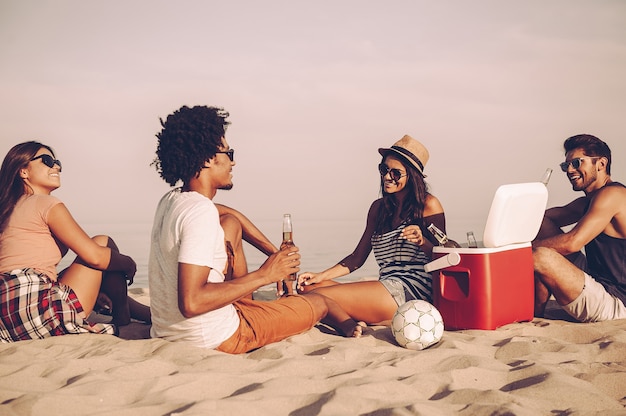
[(396, 231)]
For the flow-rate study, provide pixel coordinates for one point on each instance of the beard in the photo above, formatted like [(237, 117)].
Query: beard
[(227, 187), (585, 183)]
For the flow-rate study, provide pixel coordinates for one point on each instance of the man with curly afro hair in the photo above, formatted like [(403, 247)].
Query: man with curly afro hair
[(200, 287)]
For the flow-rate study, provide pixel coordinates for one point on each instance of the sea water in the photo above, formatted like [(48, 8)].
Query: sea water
[(322, 244)]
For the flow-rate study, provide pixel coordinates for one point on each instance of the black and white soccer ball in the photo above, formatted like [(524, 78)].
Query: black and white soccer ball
[(417, 325)]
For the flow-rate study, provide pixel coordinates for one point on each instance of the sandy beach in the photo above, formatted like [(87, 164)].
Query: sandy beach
[(544, 367)]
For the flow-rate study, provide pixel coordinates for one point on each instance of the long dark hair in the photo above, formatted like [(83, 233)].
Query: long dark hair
[(11, 183), (413, 203)]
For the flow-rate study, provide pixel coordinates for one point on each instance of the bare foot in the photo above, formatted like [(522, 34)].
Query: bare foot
[(358, 329), (351, 328)]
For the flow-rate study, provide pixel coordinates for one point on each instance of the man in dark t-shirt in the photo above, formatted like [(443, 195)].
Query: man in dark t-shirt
[(595, 289)]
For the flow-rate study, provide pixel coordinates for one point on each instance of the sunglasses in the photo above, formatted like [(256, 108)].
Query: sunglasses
[(575, 163), (395, 174), (230, 153), (49, 161)]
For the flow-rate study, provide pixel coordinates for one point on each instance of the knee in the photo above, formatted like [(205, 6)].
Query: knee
[(306, 289), (320, 307), (104, 241), (232, 227), (541, 258)]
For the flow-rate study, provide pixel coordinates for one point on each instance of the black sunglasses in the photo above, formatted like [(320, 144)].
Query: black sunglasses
[(395, 174), (230, 153), (49, 161), (575, 162)]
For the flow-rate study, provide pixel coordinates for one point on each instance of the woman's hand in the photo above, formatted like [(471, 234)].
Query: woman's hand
[(104, 305), (308, 278), (413, 233)]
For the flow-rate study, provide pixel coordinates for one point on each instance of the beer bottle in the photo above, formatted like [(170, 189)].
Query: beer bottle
[(471, 240), (287, 242), (441, 237), (287, 231), (546, 177)]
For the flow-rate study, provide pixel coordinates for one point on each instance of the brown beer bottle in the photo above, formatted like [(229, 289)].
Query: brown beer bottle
[(288, 241), (441, 237)]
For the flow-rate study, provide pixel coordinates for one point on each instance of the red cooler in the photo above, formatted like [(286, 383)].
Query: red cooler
[(490, 286)]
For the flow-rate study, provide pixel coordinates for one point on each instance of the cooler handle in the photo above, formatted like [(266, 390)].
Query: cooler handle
[(450, 259)]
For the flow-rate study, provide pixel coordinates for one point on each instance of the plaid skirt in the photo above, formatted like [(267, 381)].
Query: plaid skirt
[(33, 306)]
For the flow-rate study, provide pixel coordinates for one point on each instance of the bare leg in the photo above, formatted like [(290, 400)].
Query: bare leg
[(557, 275), (311, 288), (331, 314), (237, 265), (542, 296), (341, 321), (83, 280), (87, 283), (233, 235), (366, 301)]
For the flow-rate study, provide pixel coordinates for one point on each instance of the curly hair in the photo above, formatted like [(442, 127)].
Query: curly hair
[(12, 186), (189, 137), (591, 146), (412, 209)]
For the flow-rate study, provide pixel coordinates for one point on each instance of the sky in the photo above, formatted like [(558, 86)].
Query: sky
[(491, 88)]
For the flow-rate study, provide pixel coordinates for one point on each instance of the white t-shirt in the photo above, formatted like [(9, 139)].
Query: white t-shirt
[(187, 229)]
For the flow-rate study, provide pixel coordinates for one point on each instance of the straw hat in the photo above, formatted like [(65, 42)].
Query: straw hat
[(411, 149)]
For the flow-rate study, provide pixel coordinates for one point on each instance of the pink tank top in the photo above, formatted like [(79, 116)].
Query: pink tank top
[(27, 241)]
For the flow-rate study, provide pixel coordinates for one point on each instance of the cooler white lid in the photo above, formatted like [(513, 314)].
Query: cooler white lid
[(480, 250), (516, 213)]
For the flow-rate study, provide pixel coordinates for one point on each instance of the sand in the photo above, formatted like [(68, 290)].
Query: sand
[(543, 367)]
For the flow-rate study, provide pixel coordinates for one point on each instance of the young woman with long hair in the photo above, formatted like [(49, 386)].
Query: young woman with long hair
[(36, 231), (396, 231)]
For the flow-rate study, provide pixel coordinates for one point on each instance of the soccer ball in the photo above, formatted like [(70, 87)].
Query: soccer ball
[(417, 325)]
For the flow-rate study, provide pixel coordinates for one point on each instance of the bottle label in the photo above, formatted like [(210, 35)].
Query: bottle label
[(287, 242), (471, 240), (441, 237), (438, 234)]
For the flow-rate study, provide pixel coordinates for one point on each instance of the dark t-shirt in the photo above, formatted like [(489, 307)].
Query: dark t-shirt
[(606, 261)]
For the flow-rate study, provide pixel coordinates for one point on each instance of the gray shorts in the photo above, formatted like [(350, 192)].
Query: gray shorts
[(396, 290), (595, 304)]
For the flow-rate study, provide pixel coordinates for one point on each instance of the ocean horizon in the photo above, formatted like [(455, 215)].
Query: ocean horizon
[(322, 244)]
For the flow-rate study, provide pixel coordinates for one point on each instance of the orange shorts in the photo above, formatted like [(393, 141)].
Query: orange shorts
[(264, 322)]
